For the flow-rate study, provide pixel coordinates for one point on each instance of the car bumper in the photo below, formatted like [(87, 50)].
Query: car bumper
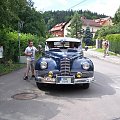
[(49, 80)]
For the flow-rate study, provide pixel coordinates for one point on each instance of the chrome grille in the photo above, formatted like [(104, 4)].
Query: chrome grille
[(65, 66)]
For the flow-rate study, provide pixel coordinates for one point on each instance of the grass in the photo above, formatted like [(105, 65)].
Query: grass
[(10, 66), (90, 47), (99, 50), (110, 53), (6, 68)]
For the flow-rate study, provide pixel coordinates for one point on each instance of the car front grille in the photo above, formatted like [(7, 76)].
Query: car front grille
[(65, 66)]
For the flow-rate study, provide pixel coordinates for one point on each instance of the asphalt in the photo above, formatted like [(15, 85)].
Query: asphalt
[(99, 55)]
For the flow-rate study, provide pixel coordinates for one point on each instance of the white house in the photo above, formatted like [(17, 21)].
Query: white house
[(94, 26), (61, 29)]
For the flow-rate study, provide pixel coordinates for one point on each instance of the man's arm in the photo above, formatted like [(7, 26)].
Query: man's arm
[(36, 50)]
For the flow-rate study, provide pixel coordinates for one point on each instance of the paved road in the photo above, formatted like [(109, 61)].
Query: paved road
[(100, 102)]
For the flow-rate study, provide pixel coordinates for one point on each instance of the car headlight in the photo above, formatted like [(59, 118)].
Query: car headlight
[(85, 65), (43, 65)]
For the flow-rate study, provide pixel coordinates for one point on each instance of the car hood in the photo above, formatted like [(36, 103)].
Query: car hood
[(61, 55)]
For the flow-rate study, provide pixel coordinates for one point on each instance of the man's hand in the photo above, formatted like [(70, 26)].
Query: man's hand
[(29, 54)]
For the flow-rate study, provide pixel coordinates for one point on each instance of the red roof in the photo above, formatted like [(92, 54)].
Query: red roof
[(89, 22), (101, 21), (86, 22), (58, 27)]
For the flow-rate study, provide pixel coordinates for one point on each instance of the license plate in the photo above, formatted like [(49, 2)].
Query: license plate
[(64, 80)]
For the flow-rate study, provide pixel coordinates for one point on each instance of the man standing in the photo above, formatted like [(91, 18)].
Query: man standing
[(107, 51), (105, 47), (30, 55)]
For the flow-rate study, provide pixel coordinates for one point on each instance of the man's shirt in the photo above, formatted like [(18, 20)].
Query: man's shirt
[(31, 50)]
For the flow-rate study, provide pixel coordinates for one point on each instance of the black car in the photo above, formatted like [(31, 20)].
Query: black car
[(63, 63)]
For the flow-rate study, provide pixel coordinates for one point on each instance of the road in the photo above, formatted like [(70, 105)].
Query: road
[(100, 102)]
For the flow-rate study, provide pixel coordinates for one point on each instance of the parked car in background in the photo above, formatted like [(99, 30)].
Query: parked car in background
[(63, 62)]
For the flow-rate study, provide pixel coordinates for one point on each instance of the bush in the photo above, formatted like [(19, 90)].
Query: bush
[(9, 41), (5, 68), (114, 40)]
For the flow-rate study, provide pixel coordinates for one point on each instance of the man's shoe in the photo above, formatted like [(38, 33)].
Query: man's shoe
[(33, 76), (26, 78)]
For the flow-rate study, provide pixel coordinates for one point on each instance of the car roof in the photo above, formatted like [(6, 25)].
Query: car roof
[(66, 39)]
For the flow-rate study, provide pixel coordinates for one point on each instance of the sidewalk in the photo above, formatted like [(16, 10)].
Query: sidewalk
[(99, 55)]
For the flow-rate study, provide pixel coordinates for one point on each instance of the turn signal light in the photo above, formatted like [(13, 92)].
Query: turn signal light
[(79, 74), (50, 74)]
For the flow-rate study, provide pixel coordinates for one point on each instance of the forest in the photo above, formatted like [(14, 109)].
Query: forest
[(35, 22), (54, 17)]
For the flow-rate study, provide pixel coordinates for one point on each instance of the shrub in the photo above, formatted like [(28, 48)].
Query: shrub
[(10, 43), (114, 40)]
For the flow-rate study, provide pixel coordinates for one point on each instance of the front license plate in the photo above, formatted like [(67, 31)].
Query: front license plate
[(64, 80)]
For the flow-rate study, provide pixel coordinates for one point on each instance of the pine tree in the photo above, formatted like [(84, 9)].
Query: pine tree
[(88, 36), (75, 27)]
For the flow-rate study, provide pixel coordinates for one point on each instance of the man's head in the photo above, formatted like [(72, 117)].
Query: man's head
[(30, 42)]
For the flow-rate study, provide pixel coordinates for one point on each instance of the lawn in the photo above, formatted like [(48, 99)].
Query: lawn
[(111, 53), (5, 68)]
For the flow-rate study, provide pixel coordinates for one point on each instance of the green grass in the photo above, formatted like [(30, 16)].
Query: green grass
[(5, 68), (90, 47), (99, 50), (110, 53)]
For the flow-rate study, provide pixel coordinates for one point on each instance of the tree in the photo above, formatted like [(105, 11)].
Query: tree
[(33, 22), (14, 11), (65, 16), (75, 27), (117, 16), (88, 36), (50, 23), (9, 10)]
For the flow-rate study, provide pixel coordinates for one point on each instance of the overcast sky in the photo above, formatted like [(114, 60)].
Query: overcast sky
[(107, 7)]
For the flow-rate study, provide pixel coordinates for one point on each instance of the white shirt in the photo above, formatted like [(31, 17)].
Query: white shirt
[(31, 50)]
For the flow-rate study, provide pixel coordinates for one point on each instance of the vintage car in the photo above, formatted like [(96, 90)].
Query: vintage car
[(63, 63)]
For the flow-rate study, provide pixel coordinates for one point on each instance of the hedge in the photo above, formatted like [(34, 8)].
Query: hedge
[(9, 41), (114, 40)]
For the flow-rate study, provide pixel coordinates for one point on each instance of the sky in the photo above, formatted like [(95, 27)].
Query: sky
[(106, 7)]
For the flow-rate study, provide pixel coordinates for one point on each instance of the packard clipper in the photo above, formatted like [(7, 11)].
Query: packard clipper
[(63, 62)]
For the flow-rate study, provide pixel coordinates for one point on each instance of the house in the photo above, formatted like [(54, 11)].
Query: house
[(104, 21), (58, 30), (94, 26), (61, 29)]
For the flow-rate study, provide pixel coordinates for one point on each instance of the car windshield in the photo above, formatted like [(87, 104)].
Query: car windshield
[(57, 46)]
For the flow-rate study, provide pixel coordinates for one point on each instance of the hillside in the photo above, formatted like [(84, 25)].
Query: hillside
[(53, 17)]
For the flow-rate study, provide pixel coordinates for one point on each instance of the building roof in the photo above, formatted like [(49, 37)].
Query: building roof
[(86, 22), (101, 21), (58, 27), (89, 22)]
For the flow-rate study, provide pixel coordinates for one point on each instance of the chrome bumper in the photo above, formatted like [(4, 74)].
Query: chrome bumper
[(54, 80)]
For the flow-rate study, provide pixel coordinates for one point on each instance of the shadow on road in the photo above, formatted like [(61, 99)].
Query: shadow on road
[(102, 86)]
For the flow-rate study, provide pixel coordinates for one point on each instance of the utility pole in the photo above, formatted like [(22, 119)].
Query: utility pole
[(20, 26)]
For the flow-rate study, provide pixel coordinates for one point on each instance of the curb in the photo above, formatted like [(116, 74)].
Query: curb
[(111, 59)]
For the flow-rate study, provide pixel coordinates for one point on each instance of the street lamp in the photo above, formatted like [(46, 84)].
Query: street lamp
[(20, 26)]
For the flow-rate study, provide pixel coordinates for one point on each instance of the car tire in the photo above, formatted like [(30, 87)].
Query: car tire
[(85, 85), (40, 85)]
